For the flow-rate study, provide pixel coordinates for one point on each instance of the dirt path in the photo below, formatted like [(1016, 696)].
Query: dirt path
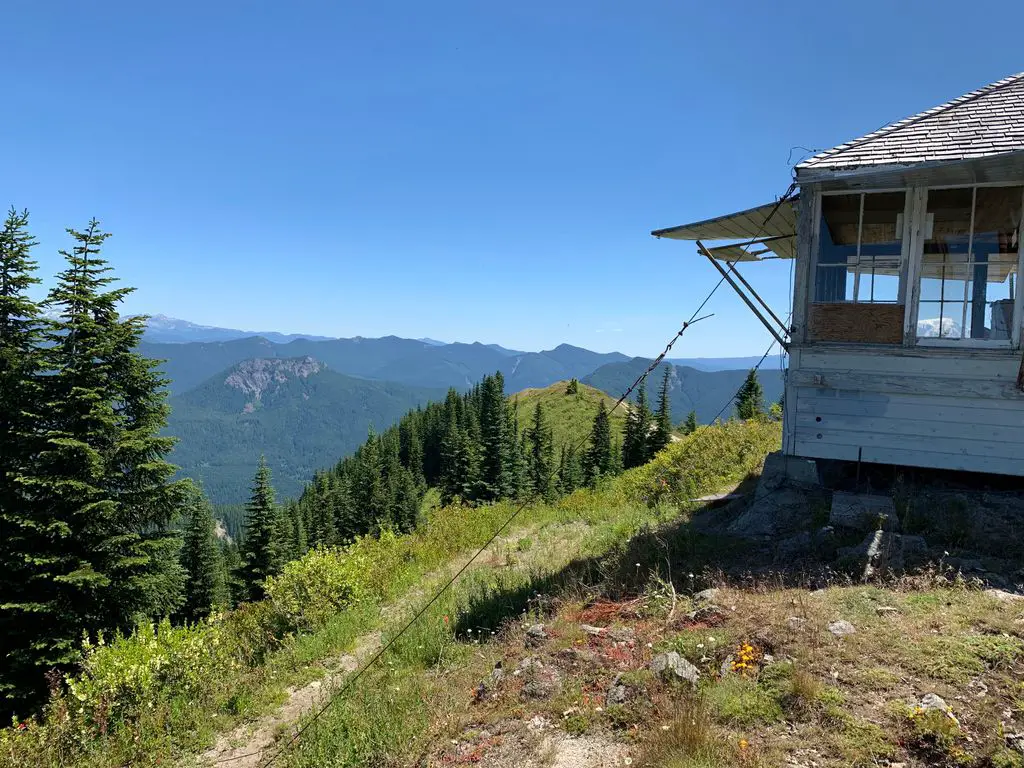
[(249, 744)]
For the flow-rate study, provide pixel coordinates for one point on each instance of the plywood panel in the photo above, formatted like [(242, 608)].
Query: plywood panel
[(860, 323)]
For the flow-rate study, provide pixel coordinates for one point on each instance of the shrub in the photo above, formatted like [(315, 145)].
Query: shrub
[(310, 590)]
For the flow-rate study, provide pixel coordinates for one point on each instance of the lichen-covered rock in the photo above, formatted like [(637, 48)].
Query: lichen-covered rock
[(672, 666), (841, 628), (535, 635)]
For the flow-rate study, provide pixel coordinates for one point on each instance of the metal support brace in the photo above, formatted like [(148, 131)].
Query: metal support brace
[(728, 278)]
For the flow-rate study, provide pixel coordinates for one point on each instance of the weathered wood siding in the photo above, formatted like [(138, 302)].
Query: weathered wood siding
[(942, 408)]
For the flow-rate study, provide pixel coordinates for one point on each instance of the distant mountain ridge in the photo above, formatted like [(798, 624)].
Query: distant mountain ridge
[(297, 412), (405, 361), (172, 330)]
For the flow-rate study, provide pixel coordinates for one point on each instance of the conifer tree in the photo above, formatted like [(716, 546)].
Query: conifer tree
[(637, 432), (573, 387), (600, 461), (691, 423), (231, 560), (541, 451), (515, 458), (750, 398), (458, 467), (21, 540), (202, 560), (662, 434), (259, 551), (109, 556), (570, 472), (494, 480)]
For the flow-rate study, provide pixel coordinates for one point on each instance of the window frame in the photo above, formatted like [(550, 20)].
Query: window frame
[(911, 255), (905, 252), (914, 276)]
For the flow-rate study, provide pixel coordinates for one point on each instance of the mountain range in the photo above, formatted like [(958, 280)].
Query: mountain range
[(306, 402)]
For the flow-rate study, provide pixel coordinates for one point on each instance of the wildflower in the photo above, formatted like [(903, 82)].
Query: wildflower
[(445, 619), (744, 744)]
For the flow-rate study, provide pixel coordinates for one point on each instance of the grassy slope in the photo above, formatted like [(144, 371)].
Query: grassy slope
[(569, 416), (147, 701), (623, 555)]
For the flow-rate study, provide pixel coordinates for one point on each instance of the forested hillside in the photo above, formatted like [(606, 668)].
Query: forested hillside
[(406, 361), (297, 412), (705, 392)]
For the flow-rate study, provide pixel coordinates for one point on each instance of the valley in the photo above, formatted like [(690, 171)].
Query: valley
[(322, 395)]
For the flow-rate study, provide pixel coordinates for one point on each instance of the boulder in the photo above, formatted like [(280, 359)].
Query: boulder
[(863, 512), (617, 692), (841, 628), (706, 596), (672, 666), (535, 635), (883, 551), (592, 630)]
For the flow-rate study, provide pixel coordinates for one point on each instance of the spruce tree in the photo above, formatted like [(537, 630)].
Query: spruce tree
[(691, 423), (570, 472), (109, 557), (494, 479), (750, 398), (662, 434), (202, 560), (541, 451), (599, 456), (259, 550), (636, 448), (23, 535)]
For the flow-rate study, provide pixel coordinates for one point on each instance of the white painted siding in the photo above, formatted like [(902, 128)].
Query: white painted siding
[(940, 408)]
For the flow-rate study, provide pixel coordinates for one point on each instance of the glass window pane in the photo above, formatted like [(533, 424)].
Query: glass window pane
[(967, 274), (837, 245), (875, 236)]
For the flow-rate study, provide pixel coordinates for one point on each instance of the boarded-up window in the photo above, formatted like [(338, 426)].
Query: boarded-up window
[(860, 248)]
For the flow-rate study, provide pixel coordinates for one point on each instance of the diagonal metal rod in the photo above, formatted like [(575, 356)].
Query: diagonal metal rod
[(728, 278)]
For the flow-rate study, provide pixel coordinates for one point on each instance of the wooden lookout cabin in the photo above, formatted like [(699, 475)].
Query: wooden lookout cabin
[(905, 338)]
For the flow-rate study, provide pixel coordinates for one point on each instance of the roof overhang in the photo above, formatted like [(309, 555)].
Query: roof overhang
[(760, 233)]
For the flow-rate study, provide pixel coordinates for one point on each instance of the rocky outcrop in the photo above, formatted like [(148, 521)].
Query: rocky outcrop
[(254, 377)]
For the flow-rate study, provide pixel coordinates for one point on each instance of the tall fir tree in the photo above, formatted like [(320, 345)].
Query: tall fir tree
[(662, 434), (494, 480), (541, 452), (750, 398), (205, 587), (23, 534), (570, 470), (691, 423), (259, 551), (102, 489), (636, 443), (600, 461)]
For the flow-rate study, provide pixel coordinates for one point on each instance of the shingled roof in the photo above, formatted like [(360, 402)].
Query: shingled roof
[(988, 121)]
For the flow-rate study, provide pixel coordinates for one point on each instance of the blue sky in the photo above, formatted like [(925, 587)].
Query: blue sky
[(459, 170)]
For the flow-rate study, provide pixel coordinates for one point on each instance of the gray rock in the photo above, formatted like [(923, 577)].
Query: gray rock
[(841, 628), (883, 551), (708, 614), (620, 634), (497, 674), (539, 681), (1003, 596), (592, 630), (863, 512), (771, 512), (706, 596), (886, 610), (796, 622), (672, 666), (793, 547), (934, 701), (617, 693), (535, 635), (726, 668), (824, 541)]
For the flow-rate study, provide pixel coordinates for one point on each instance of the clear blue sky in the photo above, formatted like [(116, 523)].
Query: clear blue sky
[(461, 170)]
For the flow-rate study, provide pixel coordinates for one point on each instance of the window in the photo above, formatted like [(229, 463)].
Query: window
[(969, 263), (860, 248)]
